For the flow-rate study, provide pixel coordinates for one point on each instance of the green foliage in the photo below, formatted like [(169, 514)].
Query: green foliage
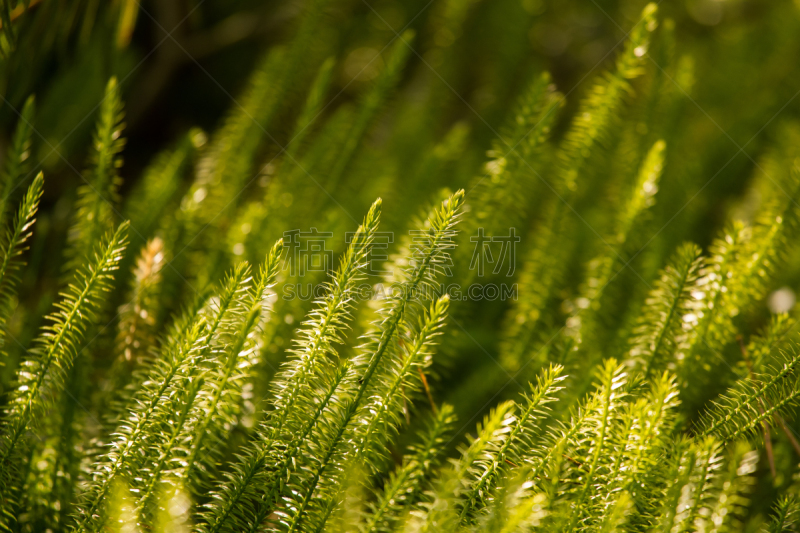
[(13, 246), (631, 353)]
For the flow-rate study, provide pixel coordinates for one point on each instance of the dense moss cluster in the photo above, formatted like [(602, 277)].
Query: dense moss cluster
[(293, 322)]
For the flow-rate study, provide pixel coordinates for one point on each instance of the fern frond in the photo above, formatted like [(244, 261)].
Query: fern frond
[(13, 247)]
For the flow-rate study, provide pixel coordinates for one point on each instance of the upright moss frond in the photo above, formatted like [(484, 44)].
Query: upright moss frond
[(403, 489), (172, 424), (679, 466), (399, 380), (513, 508), (640, 440), (137, 319), (542, 269), (16, 159), (755, 399), (586, 321), (94, 213), (441, 512), (133, 433), (695, 487), (180, 364), (42, 373), (311, 109), (502, 192), (236, 409), (13, 245), (709, 324), (727, 508), (530, 415), (658, 330), (601, 105), (777, 224), (428, 258), (220, 406), (739, 270), (785, 516), (561, 437), (287, 425), (327, 322), (764, 349), (596, 442)]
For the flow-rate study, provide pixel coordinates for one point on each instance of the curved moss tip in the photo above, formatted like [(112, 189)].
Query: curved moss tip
[(458, 197), (373, 214), (277, 248)]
